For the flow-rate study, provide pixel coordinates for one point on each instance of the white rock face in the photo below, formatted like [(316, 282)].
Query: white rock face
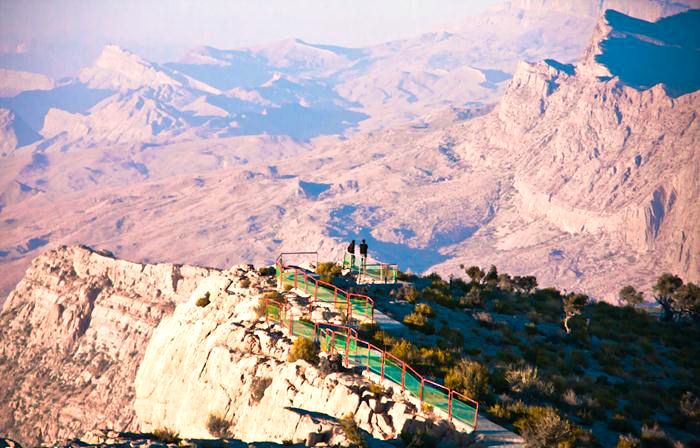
[(204, 361), (13, 82), (72, 336), (8, 138)]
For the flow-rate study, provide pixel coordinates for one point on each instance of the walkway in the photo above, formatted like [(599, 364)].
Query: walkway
[(345, 341)]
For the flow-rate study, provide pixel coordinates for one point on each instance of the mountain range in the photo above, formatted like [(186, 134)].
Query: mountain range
[(440, 150)]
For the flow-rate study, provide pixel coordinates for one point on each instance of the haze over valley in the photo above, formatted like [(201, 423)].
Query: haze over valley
[(443, 149)]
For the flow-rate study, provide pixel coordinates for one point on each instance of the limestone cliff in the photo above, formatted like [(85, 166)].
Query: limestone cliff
[(222, 360), (72, 335), (89, 341)]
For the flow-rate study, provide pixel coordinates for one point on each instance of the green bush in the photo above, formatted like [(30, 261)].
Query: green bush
[(304, 349), (352, 431), (218, 426), (469, 378)]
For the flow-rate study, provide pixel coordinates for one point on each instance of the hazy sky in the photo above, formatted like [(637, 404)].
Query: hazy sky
[(224, 24)]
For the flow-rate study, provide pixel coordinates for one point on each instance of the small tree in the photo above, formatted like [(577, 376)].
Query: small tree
[(573, 306), (687, 301), (666, 285), (630, 296), (526, 284), (475, 274), (505, 283), (491, 277)]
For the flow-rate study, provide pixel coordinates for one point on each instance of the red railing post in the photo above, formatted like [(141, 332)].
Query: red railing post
[(347, 351), (315, 291), (449, 405), (296, 273), (383, 359), (403, 376)]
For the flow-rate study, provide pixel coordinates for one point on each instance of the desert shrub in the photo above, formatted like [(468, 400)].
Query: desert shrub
[(450, 337), (261, 308), (469, 378), (330, 364), (274, 295), (267, 271), (328, 270), (244, 283), (440, 296), (690, 406), (570, 398), (352, 431), (436, 359), (405, 351), (204, 300), (417, 437), (288, 287), (166, 435), (424, 309), (531, 328), (484, 318), (525, 380), (287, 442), (620, 424), (377, 390), (473, 299), (408, 293), (304, 349), (258, 388), (426, 408), (543, 427), (627, 441), (218, 426), (406, 276), (654, 436), (420, 322)]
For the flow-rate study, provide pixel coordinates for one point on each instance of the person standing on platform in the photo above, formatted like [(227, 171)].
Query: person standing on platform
[(351, 251), (363, 254)]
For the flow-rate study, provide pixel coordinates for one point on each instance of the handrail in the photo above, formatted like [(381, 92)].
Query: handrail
[(348, 297), (449, 395), (351, 335), (279, 260)]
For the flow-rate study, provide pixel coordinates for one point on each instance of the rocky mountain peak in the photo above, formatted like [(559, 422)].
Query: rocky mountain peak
[(119, 69)]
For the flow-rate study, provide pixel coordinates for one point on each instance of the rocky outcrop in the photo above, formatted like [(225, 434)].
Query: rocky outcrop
[(221, 360), (73, 333)]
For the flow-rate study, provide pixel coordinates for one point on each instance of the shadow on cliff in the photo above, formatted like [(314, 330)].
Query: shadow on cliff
[(643, 54)]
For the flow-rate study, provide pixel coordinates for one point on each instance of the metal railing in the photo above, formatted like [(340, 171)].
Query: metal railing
[(344, 340), (320, 291)]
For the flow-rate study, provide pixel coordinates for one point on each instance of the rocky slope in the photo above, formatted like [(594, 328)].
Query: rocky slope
[(73, 333), (88, 341)]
